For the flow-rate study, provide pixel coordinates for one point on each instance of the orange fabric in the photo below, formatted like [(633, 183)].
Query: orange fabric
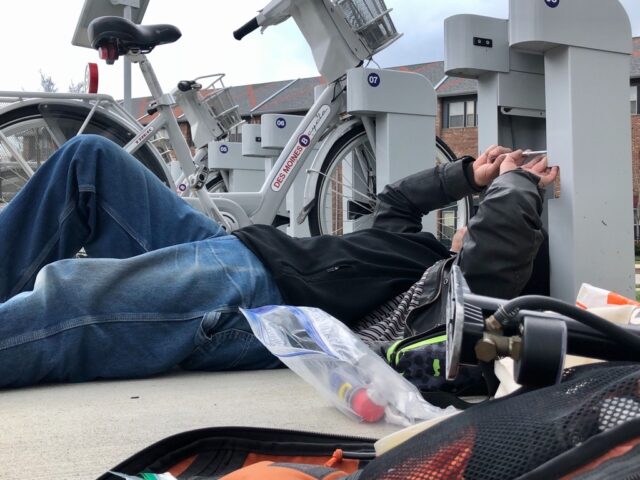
[(267, 471), (615, 452), (346, 465), (617, 299), (452, 459)]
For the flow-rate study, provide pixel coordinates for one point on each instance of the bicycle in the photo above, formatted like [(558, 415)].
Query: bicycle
[(35, 124), (335, 206), (358, 29)]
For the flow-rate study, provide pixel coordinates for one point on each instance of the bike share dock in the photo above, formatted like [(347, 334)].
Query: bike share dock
[(79, 431)]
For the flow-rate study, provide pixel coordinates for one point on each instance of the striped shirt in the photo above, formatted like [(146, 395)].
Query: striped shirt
[(387, 322)]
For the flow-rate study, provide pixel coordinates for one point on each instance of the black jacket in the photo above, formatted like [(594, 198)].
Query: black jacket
[(351, 275)]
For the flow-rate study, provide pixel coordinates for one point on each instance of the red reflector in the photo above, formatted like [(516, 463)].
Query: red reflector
[(91, 78), (108, 52), (104, 53)]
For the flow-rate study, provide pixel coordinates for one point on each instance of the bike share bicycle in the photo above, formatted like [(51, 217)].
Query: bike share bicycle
[(342, 182)]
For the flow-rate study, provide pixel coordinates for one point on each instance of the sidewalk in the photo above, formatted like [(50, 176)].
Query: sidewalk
[(75, 432)]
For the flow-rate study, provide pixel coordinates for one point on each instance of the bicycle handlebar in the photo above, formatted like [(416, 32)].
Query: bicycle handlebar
[(246, 29)]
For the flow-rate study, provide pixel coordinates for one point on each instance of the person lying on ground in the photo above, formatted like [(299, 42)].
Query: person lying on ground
[(163, 283)]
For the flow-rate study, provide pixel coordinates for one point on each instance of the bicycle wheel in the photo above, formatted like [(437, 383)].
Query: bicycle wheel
[(346, 190), (215, 184), (37, 129)]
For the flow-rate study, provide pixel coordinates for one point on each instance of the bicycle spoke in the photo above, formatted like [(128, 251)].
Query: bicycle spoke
[(350, 186)]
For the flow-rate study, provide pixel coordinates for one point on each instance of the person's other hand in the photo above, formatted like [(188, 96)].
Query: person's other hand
[(487, 166), (511, 161), (540, 167), (458, 239)]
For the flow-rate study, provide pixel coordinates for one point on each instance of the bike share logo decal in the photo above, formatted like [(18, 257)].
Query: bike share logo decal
[(281, 122), (224, 149), (182, 187), (143, 135), (304, 140), (374, 80), (552, 3)]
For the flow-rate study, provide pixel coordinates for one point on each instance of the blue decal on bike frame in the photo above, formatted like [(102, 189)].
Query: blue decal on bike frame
[(281, 122), (552, 3), (224, 149), (304, 140), (374, 79)]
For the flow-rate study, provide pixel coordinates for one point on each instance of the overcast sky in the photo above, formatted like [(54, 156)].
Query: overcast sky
[(36, 35)]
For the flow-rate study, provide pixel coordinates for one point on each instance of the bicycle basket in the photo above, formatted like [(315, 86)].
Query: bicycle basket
[(370, 19), (225, 111)]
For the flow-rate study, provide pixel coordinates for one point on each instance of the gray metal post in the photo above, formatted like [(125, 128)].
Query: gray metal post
[(589, 137), (127, 71)]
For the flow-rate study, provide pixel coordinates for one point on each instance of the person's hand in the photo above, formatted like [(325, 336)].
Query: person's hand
[(540, 168), (487, 166), (458, 239), (511, 161)]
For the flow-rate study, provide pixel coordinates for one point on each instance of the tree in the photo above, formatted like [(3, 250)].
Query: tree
[(79, 87), (47, 83)]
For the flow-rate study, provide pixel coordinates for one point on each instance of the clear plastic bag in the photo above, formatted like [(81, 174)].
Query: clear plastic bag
[(326, 354)]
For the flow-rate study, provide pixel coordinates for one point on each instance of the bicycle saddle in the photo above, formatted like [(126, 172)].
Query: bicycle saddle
[(125, 35)]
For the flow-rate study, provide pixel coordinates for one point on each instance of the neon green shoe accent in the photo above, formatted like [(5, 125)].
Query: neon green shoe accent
[(428, 341), (391, 350), (436, 367)]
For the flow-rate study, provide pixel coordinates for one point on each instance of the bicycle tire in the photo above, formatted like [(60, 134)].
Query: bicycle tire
[(27, 130), (351, 208), (216, 184)]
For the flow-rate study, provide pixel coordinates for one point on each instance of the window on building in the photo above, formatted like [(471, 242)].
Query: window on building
[(470, 113), (456, 115), (460, 113), (634, 99)]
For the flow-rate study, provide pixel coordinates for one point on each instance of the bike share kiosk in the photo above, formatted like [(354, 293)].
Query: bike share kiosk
[(555, 76), (404, 106), (397, 109), (243, 173)]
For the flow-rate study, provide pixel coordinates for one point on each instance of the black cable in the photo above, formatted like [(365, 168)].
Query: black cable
[(335, 84), (507, 312)]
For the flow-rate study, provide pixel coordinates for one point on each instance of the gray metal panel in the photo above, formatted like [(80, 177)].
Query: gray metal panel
[(465, 59), (228, 155), (589, 137), (277, 129), (541, 25), (92, 9), (521, 90), (526, 62), (252, 142), (392, 92)]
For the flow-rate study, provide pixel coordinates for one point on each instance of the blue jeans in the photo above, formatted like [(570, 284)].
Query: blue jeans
[(161, 288)]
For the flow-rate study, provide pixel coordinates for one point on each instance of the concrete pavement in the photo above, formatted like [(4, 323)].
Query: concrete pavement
[(79, 431)]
